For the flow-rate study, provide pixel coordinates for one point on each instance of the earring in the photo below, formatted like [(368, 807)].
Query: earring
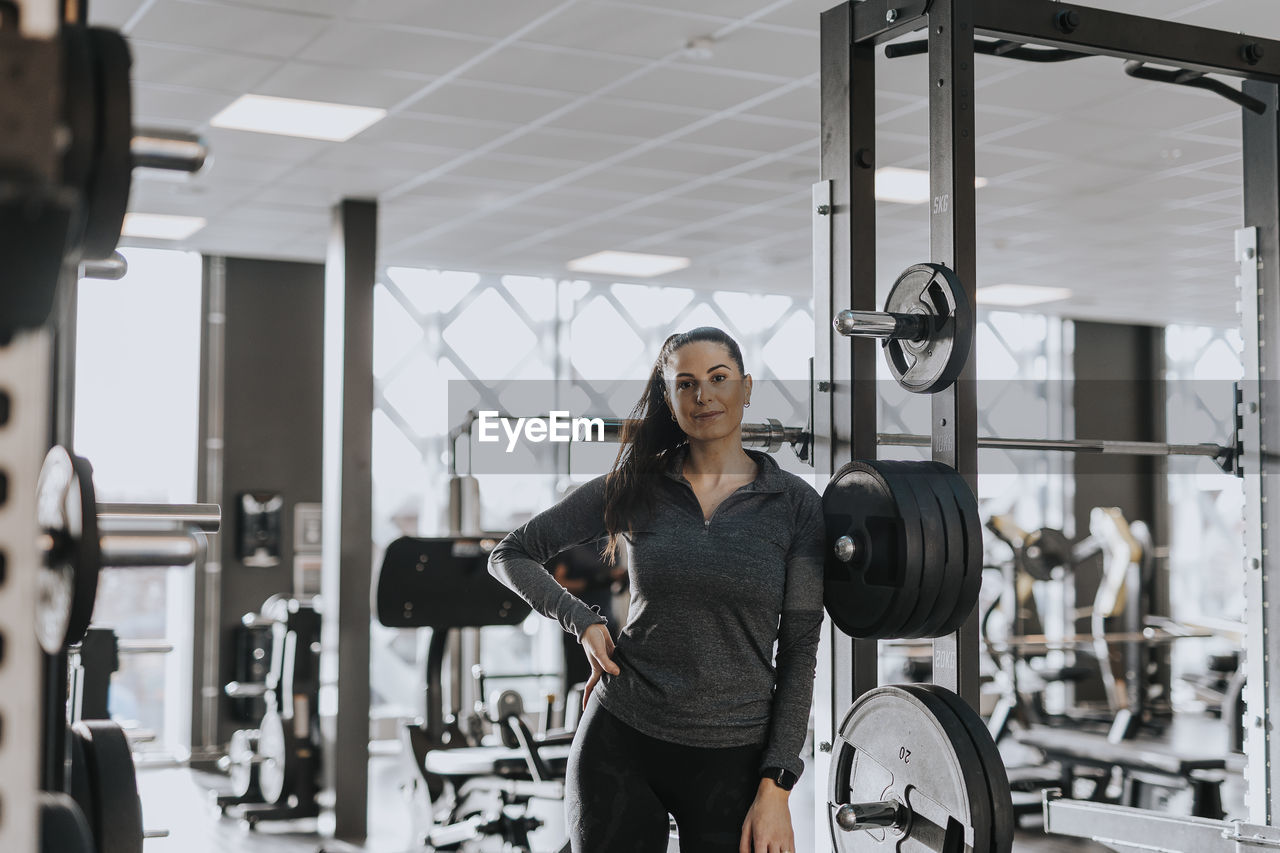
[(673, 418), (746, 405)]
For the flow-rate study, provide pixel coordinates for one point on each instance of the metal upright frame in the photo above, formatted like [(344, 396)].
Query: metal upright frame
[(844, 275)]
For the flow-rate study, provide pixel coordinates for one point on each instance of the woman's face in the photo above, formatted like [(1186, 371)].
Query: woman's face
[(705, 390)]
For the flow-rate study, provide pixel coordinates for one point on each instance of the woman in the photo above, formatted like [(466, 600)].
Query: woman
[(690, 716)]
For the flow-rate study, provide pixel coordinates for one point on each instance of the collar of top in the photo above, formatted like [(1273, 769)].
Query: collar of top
[(768, 478)]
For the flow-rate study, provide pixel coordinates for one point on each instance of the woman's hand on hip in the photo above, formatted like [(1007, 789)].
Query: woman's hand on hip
[(767, 828), (598, 645)]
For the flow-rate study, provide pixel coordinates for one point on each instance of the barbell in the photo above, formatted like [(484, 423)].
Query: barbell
[(79, 537)]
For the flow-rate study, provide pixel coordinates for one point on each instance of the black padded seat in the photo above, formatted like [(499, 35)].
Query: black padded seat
[(1090, 749)]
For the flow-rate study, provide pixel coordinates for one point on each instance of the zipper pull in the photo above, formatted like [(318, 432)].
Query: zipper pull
[(706, 525)]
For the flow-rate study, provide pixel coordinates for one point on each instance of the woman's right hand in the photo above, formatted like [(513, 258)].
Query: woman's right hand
[(598, 645)]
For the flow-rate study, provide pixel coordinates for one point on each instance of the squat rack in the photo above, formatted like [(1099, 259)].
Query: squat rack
[(844, 242)]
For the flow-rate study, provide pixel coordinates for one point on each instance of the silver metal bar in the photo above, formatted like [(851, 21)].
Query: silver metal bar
[(172, 150), (111, 268), (1131, 830), (149, 549), (143, 647), (155, 833), (207, 517), (770, 435), (1124, 448), (855, 816), (881, 324)]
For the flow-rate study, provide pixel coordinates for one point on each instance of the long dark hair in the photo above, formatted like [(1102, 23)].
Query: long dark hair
[(649, 435)]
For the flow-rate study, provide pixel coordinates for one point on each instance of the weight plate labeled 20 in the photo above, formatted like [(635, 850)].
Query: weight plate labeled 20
[(903, 746)]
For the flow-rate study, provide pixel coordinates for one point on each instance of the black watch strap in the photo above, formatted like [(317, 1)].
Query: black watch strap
[(783, 778)]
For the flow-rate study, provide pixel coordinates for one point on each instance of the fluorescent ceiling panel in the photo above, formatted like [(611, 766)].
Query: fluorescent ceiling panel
[(1020, 295), (160, 226), (291, 117), (907, 186), (628, 264)]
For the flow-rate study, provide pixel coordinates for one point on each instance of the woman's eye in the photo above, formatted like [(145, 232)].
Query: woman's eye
[(719, 377), (684, 384)]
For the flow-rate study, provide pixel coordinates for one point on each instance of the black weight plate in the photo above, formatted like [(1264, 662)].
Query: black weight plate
[(116, 811), (109, 183), (928, 366), (79, 108), (910, 567), (858, 596), (957, 551), (934, 539), (1043, 551), (904, 744), (1003, 819), (67, 512), (972, 584), (63, 828)]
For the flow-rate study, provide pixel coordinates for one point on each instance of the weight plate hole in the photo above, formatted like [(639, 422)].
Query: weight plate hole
[(4, 407)]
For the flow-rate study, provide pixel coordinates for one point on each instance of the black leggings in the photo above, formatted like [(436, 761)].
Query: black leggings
[(621, 784)]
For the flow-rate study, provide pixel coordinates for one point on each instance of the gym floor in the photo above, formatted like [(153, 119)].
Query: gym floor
[(180, 800)]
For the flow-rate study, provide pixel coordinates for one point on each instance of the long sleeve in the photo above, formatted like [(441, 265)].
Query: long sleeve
[(519, 558), (798, 635)]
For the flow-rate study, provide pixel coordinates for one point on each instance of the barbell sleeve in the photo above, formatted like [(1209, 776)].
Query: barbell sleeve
[(143, 647), (148, 548), (881, 815), (207, 517), (171, 150), (881, 324), (111, 268)]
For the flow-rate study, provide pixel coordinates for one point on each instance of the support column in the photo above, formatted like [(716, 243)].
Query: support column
[(347, 559), (953, 242), (844, 373), (1258, 248)]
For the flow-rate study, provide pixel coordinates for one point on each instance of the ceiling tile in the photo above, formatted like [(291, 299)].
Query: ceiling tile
[(558, 72), (389, 48), (313, 82), (200, 68), (468, 99), (669, 86), (495, 18), (246, 30)]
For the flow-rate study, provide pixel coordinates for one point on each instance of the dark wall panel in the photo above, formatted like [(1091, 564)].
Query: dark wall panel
[(272, 384)]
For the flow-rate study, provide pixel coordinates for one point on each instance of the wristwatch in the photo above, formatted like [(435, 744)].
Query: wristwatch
[(783, 778)]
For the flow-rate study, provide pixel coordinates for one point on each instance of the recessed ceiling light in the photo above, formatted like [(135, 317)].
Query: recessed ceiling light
[(160, 226), (1020, 295), (633, 264), (907, 186), (290, 117)]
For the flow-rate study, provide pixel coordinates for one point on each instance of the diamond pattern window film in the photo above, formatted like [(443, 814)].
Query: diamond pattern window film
[(433, 291), (397, 331), (650, 305), (752, 312), (603, 346), (489, 337), (788, 351)]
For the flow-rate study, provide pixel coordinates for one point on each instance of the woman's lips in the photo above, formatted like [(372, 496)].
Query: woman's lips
[(707, 417)]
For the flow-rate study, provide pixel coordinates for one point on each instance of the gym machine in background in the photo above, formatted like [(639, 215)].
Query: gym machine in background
[(844, 424)]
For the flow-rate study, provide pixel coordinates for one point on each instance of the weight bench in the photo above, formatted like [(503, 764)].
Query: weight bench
[(1148, 772), (486, 779)]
